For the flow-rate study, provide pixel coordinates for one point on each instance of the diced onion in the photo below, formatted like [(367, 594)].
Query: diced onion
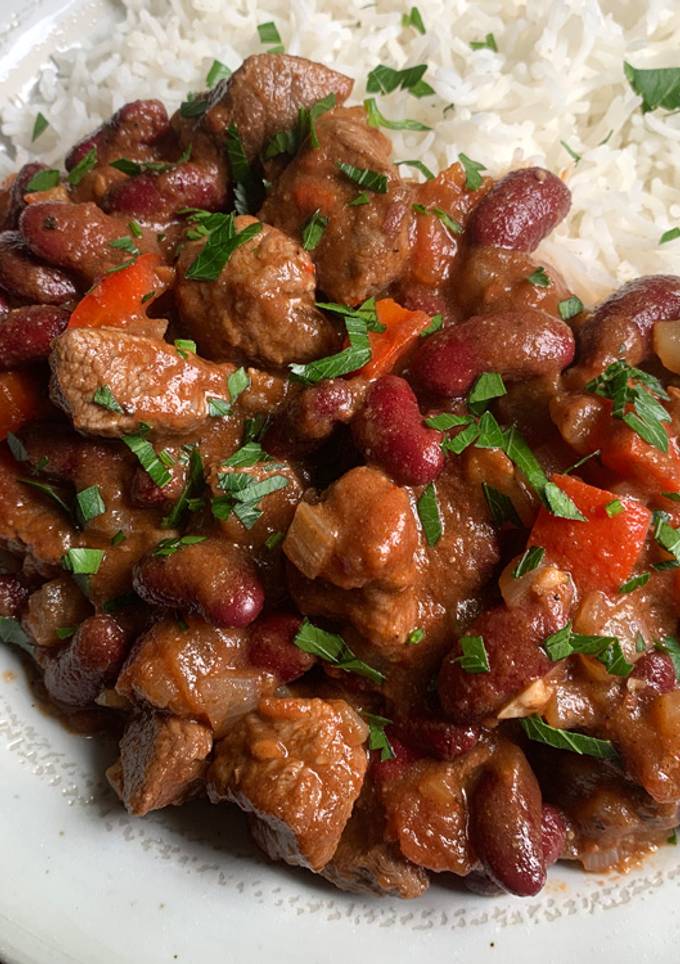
[(310, 540), (667, 344)]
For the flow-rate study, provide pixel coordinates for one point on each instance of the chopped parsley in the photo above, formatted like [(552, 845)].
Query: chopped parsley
[(436, 324), (194, 482), (12, 633), (83, 167), (17, 447), (626, 386), (606, 649), (428, 513), (419, 166), (488, 386), (43, 180), (455, 227), (83, 562), (274, 540), (375, 118), (489, 43), (168, 547), (49, 490), (269, 34), (415, 636), (346, 361), (218, 71), (40, 125), (658, 87), (669, 235), (372, 180), (671, 647), (89, 503), (118, 538), (473, 179), (572, 153), (184, 347), (500, 506), (537, 729), (360, 199), (532, 559), (385, 80), (222, 241), (539, 278), (377, 738), (634, 583), (413, 19), (313, 230), (333, 649), (148, 459), (474, 657), (614, 508), (570, 307)]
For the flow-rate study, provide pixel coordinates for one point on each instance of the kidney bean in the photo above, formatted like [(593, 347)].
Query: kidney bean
[(139, 122), (78, 672), (78, 237), (506, 824), (479, 883), (158, 197), (17, 202), (212, 578), (657, 670), (553, 833), (517, 344), (26, 334), (389, 431), (13, 595), (512, 638), (271, 646), (520, 210), (24, 277), (438, 738), (627, 317), (385, 771)]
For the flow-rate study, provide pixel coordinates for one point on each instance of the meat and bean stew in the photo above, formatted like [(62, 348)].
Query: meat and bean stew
[(335, 500)]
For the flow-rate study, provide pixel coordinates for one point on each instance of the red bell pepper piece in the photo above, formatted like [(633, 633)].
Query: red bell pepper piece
[(402, 328), (601, 552), (121, 296)]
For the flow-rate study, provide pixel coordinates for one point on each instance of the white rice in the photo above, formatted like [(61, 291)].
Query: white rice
[(558, 75)]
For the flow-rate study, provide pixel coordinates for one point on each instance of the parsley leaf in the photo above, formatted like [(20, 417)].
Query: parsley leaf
[(538, 730), (375, 118), (377, 738), (348, 360), (43, 180), (532, 559), (539, 278), (364, 177), (39, 127), (489, 385), (489, 43), (90, 503), (436, 324), (419, 166), (147, 458), (385, 80), (104, 397), (413, 19), (11, 632), (669, 235), (428, 513), (333, 649), (500, 506), (473, 179), (168, 547), (83, 562), (313, 230), (625, 385), (83, 167), (570, 307), (657, 87), (222, 241), (474, 658), (195, 480), (218, 71)]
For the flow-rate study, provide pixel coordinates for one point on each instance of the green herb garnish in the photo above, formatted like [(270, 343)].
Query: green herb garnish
[(333, 649)]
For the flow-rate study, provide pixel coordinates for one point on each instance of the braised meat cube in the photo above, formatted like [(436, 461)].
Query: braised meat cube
[(298, 766)]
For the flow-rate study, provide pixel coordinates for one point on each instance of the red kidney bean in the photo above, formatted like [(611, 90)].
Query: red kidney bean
[(553, 833), (512, 638), (520, 210), (144, 492), (389, 431), (479, 883), (385, 771), (312, 416), (77, 237), (13, 595), (517, 344), (657, 670), (272, 648), (24, 277), (19, 188), (438, 738), (212, 578), (139, 122), (26, 334), (79, 671), (158, 197), (506, 824), (628, 317)]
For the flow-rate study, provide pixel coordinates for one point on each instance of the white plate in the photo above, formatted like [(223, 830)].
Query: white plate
[(83, 883)]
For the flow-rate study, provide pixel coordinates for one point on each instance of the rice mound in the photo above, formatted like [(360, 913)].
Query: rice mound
[(557, 76)]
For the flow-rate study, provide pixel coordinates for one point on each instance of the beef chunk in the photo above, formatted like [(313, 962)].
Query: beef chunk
[(200, 672), (162, 761), (364, 247), (149, 379), (298, 766), (261, 307)]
